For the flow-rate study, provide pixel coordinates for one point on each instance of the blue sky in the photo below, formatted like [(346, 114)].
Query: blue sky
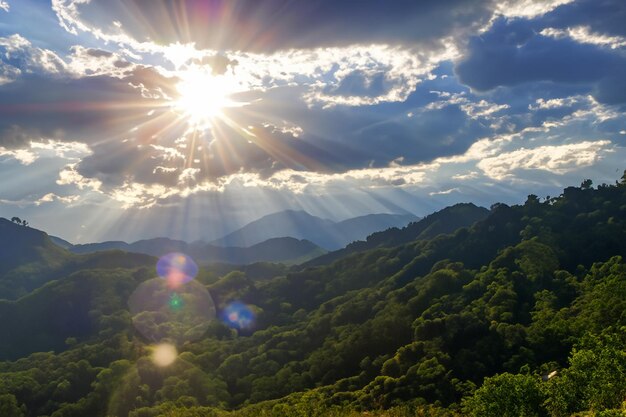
[(128, 119)]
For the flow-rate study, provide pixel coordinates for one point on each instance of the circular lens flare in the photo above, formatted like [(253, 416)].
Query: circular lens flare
[(164, 355), (238, 315), (162, 315), (177, 269)]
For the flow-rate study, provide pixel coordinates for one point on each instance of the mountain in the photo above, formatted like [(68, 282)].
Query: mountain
[(23, 245), (322, 232), (28, 258), (474, 322), (444, 221), (283, 249)]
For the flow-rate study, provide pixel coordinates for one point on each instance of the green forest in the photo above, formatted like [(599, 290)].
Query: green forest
[(522, 313)]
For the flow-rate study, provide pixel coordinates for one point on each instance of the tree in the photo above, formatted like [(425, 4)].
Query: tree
[(595, 380), (9, 407), (506, 395), (586, 184), (17, 220)]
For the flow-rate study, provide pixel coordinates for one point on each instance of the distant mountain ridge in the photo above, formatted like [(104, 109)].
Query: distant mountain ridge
[(284, 249), (323, 232), (288, 236)]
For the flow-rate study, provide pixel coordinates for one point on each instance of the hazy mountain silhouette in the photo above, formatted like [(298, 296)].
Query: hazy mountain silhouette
[(302, 225)]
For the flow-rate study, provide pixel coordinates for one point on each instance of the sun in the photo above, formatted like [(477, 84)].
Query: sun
[(203, 97)]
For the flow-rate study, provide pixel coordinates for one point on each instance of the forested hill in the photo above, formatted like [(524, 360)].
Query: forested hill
[(29, 259), (444, 221), (521, 314)]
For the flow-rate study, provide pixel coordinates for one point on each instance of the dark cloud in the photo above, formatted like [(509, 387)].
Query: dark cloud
[(344, 138), (152, 81), (278, 24), (513, 53), (115, 162), (122, 64), (75, 108), (424, 136), (606, 17), (98, 53), (15, 137), (86, 109)]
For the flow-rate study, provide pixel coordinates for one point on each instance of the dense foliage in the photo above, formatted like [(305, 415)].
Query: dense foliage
[(522, 314)]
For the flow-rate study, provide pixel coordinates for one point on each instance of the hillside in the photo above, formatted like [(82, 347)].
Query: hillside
[(471, 323), (23, 245), (444, 221), (29, 259)]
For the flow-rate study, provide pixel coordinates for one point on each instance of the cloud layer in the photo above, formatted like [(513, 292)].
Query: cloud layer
[(368, 103)]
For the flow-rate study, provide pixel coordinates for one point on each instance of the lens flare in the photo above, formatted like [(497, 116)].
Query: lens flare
[(176, 302), (164, 355), (238, 315), (161, 315), (177, 269)]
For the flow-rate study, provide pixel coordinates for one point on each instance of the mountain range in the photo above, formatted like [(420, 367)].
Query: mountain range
[(287, 236)]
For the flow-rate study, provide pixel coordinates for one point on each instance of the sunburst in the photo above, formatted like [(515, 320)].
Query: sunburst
[(203, 97)]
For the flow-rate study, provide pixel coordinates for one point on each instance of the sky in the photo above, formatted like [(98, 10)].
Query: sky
[(131, 119)]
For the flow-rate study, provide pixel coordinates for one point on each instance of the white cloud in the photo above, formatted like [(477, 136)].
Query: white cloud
[(50, 197), (70, 176), (554, 103), (584, 34), (8, 73), (66, 150), (469, 176), (528, 8), (30, 58), (91, 62), (69, 19), (558, 159), (24, 156), (474, 109), (382, 73), (444, 192), (82, 62), (36, 149), (141, 195), (4, 5)]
